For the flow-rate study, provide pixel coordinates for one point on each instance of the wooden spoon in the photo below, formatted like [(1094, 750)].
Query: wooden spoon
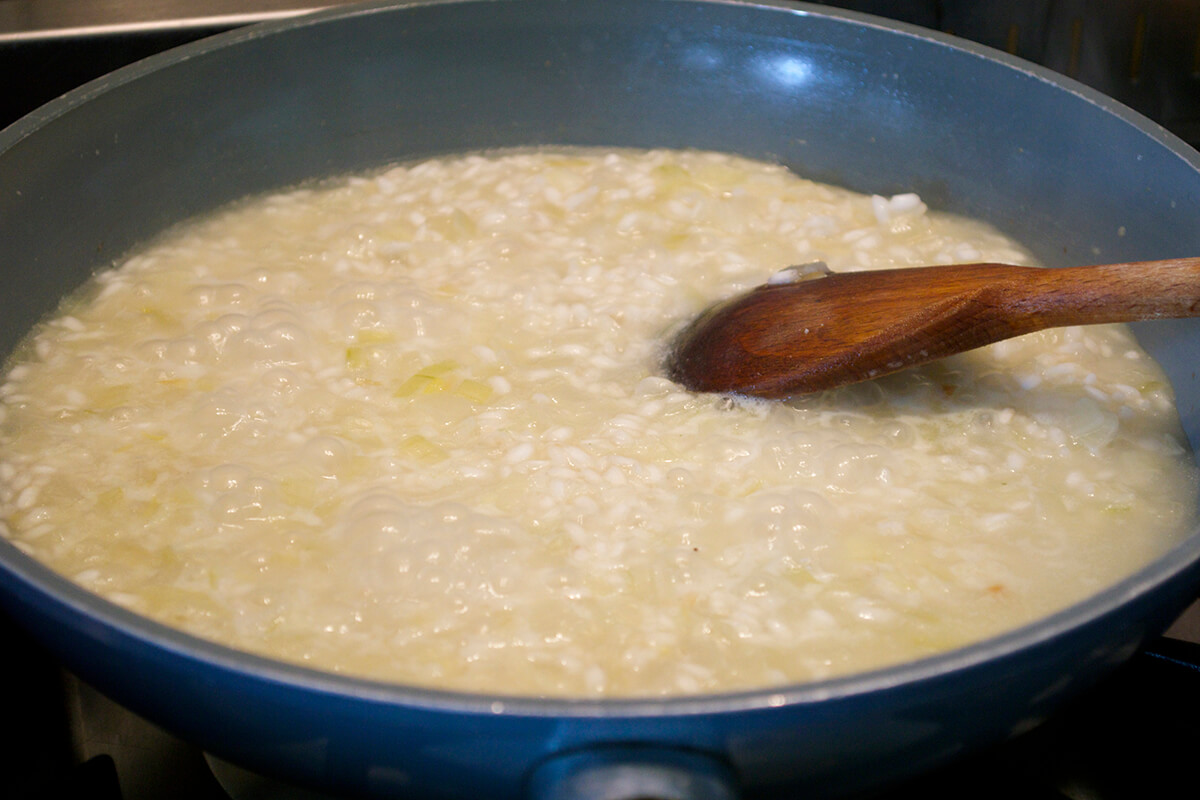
[(790, 338)]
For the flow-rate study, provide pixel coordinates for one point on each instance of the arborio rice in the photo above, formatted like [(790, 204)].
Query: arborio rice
[(411, 426)]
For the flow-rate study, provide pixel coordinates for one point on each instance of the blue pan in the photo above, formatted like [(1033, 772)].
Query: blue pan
[(840, 97)]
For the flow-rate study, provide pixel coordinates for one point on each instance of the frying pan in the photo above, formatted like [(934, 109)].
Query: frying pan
[(872, 105)]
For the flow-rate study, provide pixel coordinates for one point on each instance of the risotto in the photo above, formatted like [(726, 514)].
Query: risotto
[(411, 426)]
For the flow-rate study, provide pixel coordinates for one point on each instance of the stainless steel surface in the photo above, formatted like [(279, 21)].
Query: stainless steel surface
[(40, 19), (27, 19), (1187, 627)]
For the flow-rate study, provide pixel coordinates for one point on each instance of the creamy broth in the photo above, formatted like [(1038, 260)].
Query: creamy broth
[(411, 426)]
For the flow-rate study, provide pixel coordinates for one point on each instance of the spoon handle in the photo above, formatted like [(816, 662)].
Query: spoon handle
[(1110, 293)]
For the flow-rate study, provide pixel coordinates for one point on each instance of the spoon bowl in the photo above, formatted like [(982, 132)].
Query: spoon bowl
[(788, 338)]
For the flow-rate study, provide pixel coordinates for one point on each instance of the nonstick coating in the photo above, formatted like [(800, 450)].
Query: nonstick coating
[(872, 105)]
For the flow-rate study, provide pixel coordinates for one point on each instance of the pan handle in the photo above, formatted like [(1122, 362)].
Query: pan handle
[(632, 772), (655, 772)]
